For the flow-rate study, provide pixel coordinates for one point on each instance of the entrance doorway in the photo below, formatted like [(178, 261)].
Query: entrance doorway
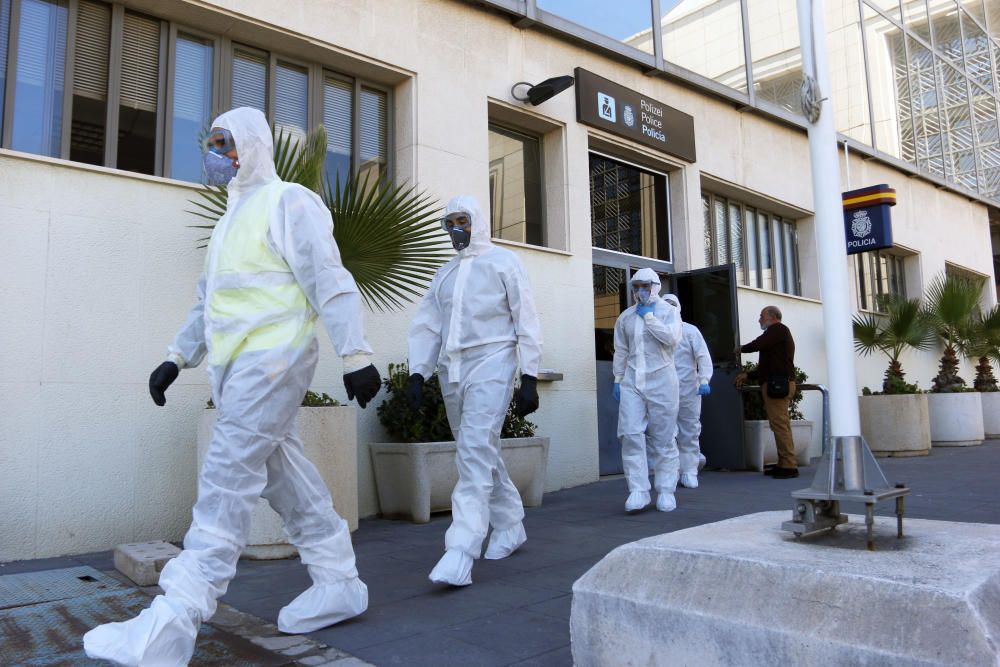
[(630, 229)]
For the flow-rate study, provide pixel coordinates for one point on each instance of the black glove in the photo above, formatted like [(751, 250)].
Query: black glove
[(526, 397), (362, 384), (415, 391), (162, 377)]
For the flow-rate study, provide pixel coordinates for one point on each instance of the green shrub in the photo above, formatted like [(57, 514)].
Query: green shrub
[(753, 402), (430, 422)]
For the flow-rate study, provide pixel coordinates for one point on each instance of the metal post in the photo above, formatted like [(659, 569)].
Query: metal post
[(830, 240)]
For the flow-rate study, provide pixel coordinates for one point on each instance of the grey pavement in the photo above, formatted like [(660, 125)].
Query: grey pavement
[(517, 610)]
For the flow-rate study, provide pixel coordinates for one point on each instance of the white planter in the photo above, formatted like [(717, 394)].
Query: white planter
[(991, 413), (331, 443), (761, 450), (415, 479), (896, 425), (956, 419)]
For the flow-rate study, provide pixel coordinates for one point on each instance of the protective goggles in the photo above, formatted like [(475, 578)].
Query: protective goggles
[(458, 219), (221, 141)]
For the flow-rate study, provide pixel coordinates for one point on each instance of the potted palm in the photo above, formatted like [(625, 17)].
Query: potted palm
[(758, 438), (895, 421), (984, 345), (390, 242), (956, 411), (415, 475)]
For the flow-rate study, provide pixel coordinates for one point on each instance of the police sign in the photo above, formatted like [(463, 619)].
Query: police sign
[(628, 113), (867, 220)]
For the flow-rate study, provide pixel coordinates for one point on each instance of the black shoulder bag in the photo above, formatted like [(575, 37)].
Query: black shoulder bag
[(777, 386)]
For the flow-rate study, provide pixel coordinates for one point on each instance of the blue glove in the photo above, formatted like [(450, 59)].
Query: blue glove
[(704, 390), (641, 310), (617, 392)]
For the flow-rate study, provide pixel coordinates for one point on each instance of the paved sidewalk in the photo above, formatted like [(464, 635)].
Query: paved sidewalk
[(517, 611)]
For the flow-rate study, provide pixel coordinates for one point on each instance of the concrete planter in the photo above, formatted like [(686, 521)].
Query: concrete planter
[(331, 443), (896, 425), (415, 479), (956, 419), (758, 439), (991, 413)]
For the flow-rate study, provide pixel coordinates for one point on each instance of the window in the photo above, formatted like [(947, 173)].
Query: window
[(762, 246), (143, 90), (39, 75), (516, 211), (192, 104), (628, 209), (90, 83), (879, 274)]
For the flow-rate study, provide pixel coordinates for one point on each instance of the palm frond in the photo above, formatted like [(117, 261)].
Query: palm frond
[(388, 238), (868, 334), (952, 303), (387, 234)]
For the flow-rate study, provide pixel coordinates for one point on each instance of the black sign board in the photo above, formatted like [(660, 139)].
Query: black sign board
[(628, 113)]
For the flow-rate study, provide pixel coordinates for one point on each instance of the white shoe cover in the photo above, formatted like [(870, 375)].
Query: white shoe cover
[(689, 480), (454, 568), (701, 461), (161, 636), (505, 542), (322, 605), (665, 502), (637, 500)]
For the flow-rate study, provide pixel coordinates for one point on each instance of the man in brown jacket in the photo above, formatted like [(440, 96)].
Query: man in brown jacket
[(777, 362)]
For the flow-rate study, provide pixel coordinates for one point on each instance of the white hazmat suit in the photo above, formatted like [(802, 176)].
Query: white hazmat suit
[(271, 268), (647, 411), (694, 369), (476, 322)]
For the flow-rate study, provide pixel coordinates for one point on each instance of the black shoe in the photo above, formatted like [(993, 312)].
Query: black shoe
[(785, 473), (770, 470)]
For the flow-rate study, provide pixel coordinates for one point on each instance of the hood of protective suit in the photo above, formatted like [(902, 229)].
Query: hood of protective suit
[(480, 241), (648, 276), (255, 146), (672, 300)]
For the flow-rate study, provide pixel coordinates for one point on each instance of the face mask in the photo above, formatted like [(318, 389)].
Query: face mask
[(460, 238), (642, 295), (219, 169), (459, 229)]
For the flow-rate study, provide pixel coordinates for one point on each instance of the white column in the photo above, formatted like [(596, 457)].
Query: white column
[(834, 281)]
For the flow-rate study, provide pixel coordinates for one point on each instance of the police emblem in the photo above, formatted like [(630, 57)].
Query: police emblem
[(628, 115), (861, 226)]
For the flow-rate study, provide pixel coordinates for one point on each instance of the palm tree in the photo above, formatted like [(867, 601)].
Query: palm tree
[(984, 344), (904, 326), (952, 306), (387, 234)]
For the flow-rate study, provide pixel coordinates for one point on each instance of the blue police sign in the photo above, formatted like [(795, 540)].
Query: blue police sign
[(867, 220)]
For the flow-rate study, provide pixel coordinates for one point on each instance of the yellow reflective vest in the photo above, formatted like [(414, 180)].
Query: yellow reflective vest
[(253, 301)]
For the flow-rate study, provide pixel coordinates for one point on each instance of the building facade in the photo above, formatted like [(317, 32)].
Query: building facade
[(104, 106)]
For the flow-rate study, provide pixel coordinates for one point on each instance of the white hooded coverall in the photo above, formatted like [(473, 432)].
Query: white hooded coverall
[(647, 411), (694, 368), (271, 268), (474, 324)]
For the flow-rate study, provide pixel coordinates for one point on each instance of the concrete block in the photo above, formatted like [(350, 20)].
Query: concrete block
[(744, 592), (141, 562)]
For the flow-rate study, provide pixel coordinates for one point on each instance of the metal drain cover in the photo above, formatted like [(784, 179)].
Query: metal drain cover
[(19, 590)]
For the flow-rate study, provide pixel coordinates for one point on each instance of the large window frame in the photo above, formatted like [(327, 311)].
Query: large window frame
[(615, 258), (535, 232), (879, 274), (223, 49), (725, 244)]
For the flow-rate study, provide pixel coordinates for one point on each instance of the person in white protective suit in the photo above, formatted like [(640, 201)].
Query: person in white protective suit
[(646, 335), (272, 267), (694, 373), (475, 323)]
